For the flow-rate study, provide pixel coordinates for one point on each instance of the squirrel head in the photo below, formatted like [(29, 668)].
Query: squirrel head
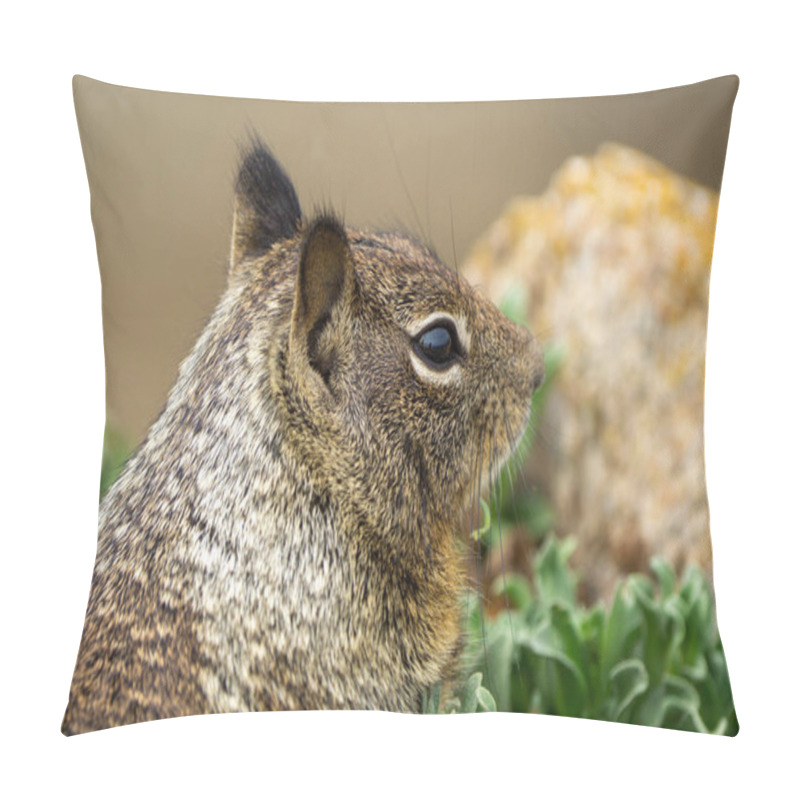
[(398, 387)]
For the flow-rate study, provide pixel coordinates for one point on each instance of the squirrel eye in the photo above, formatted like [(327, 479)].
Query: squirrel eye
[(438, 346)]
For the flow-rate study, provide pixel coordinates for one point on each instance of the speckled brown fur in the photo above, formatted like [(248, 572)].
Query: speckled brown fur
[(286, 535)]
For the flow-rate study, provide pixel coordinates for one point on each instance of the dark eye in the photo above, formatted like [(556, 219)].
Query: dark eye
[(437, 345)]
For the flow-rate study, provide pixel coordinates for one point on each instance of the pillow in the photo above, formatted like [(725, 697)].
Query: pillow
[(404, 407)]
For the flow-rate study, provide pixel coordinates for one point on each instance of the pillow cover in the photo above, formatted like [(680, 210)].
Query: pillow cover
[(369, 487)]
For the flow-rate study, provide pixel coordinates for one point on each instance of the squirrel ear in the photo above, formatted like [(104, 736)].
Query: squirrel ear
[(325, 278), (266, 208)]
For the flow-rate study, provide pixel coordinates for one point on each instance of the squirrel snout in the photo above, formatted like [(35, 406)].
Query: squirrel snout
[(526, 367)]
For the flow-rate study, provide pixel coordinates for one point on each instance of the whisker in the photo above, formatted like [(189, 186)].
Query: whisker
[(521, 476), (510, 483), (545, 431), (498, 504), (428, 182), (477, 564), (420, 229), (453, 236), (474, 509)]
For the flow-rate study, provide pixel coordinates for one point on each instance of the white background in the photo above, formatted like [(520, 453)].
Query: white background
[(53, 404)]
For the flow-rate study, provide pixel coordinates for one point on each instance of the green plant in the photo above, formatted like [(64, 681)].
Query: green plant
[(115, 453), (472, 696), (653, 658)]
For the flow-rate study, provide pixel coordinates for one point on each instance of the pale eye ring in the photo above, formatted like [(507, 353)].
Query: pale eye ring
[(438, 345)]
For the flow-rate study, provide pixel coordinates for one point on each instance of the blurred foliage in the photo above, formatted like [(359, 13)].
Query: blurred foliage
[(472, 696), (116, 451), (654, 658)]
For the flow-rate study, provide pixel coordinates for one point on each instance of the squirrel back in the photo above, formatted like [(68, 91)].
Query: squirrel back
[(285, 537)]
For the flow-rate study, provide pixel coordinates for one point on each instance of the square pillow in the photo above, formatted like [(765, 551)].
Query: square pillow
[(404, 407)]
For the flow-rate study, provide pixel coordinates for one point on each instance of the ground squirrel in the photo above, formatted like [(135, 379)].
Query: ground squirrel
[(285, 537)]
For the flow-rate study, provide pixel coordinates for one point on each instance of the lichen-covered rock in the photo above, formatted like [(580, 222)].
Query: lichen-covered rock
[(612, 263)]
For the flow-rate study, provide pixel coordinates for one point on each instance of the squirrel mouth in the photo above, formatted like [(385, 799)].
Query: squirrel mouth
[(500, 453), (521, 435)]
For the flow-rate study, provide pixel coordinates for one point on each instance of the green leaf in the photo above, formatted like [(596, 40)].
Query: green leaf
[(701, 631), (672, 704), (530, 511), (682, 706), (436, 696), (657, 628), (516, 588), (665, 574), (622, 628), (573, 645), (431, 699), (485, 700), (498, 657), (696, 672), (564, 688), (469, 695), (627, 680), (555, 582), (116, 451)]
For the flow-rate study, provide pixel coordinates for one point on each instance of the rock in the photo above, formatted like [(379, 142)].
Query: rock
[(612, 267)]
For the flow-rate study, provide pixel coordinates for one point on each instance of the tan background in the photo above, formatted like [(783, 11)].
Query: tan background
[(161, 168)]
